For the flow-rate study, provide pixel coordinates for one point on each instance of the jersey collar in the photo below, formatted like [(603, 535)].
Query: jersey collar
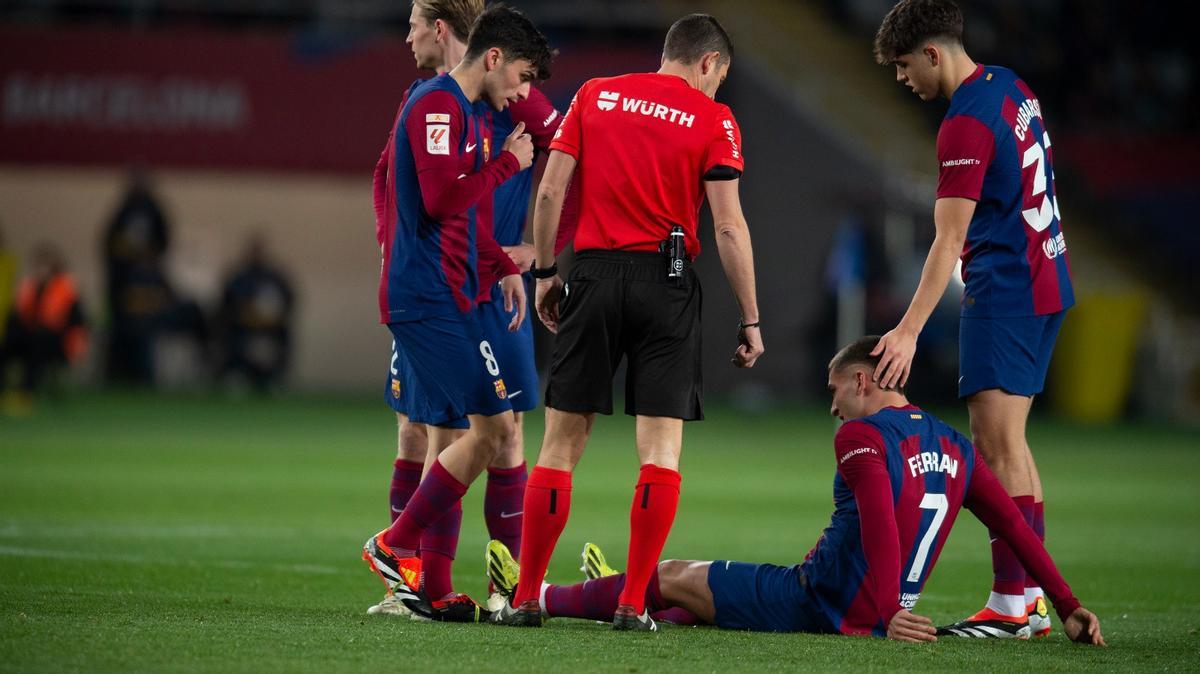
[(974, 75)]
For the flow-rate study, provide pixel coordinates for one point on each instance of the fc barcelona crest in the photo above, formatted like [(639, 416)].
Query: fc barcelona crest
[(501, 392), (396, 389)]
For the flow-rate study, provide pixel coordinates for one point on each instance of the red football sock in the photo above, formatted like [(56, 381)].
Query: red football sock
[(439, 544), (676, 616), (1039, 528), (436, 496), (502, 505), (1008, 574), (597, 599), (653, 512), (406, 475), (547, 505)]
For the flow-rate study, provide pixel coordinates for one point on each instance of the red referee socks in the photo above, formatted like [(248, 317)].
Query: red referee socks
[(653, 512), (547, 505)]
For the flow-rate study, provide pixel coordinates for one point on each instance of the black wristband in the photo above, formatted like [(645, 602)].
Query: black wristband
[(743, 326), (544, 272)]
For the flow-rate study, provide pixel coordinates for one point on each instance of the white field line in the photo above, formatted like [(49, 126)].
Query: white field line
[(12, 551)]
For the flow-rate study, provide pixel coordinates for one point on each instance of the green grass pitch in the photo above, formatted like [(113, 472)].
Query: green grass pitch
[(142, 533)]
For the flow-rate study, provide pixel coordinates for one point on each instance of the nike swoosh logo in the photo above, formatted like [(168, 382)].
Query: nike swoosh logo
[(727, 565), (993, 540), (504, 515), (514, 394), (397, 510), (470, 147)]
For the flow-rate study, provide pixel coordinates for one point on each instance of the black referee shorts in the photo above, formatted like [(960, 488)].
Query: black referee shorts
[(621, 304)]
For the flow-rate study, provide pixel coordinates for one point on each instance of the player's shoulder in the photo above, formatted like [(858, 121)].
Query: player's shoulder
[(858, 431), (536, 107)]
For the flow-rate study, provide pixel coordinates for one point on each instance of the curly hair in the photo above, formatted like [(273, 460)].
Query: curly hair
[(912, 22)]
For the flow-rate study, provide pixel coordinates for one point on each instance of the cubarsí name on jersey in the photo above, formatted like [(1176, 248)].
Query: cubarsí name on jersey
[(1029, 109), (930, 462), (608, 100)]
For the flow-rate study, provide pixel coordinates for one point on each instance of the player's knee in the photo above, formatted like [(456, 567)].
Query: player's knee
[(673, 576), (497, 432), (414, 440)]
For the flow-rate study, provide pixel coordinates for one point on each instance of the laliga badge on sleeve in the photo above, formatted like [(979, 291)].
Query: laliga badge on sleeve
[(437, 133)]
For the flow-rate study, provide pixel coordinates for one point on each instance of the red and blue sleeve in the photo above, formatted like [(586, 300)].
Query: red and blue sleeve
[(861, 452), (965, 148), (540, 117), (434, 126), (988, 500)]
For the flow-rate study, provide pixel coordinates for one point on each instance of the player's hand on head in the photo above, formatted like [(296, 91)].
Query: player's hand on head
[(897, 348), (513, 288), (521, 254), (1083, 626), (521, 145), (547, 295), (908, 626), (750, 347)]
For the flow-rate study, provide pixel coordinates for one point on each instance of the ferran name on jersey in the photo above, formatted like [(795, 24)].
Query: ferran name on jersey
[(929, 462)]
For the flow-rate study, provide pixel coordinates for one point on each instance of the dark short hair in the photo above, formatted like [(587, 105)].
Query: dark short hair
[(510, 31), (858, 352), (913, 22), (458, 14), (695, 35)]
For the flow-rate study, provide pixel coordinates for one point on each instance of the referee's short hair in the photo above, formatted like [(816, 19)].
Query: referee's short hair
[(511, 32), (858, 352), (695, 35)]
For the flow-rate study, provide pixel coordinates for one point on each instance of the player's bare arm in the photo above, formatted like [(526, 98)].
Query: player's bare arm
[(737, 258), (951, 218), (546, 214)]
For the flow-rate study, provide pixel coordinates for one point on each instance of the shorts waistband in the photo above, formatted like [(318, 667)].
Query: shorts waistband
[(638, 265), (624, 256)]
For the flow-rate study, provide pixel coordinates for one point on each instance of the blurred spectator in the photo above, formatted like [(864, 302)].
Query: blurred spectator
[(256, 317), (140, 297), (46, 329)]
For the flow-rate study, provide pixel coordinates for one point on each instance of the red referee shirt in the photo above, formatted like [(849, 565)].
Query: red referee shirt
[(643, 143)]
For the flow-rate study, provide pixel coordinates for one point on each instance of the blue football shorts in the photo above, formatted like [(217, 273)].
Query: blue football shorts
[(763, 598), (449, 369), (514, 349), (1011, 354)]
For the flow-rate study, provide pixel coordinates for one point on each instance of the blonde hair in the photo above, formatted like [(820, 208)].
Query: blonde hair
[(458, 14)]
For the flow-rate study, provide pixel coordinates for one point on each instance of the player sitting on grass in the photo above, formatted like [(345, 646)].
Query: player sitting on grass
[(902, 476)]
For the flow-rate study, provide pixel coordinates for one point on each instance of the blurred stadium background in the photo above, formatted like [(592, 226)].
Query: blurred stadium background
[(203, 170), (260, 120)]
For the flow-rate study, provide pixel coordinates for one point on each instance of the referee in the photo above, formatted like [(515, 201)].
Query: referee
[(649, 147)]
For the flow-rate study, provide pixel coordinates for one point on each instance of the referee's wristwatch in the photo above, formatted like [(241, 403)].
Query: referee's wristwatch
[(742, 325), (543, 272)]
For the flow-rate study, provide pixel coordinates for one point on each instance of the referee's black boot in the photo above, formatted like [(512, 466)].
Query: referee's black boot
[(626, 620)]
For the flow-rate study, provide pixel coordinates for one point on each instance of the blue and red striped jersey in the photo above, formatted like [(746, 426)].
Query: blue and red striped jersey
[(928, 472), (993, 148), (512, 198), (432, 200)]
